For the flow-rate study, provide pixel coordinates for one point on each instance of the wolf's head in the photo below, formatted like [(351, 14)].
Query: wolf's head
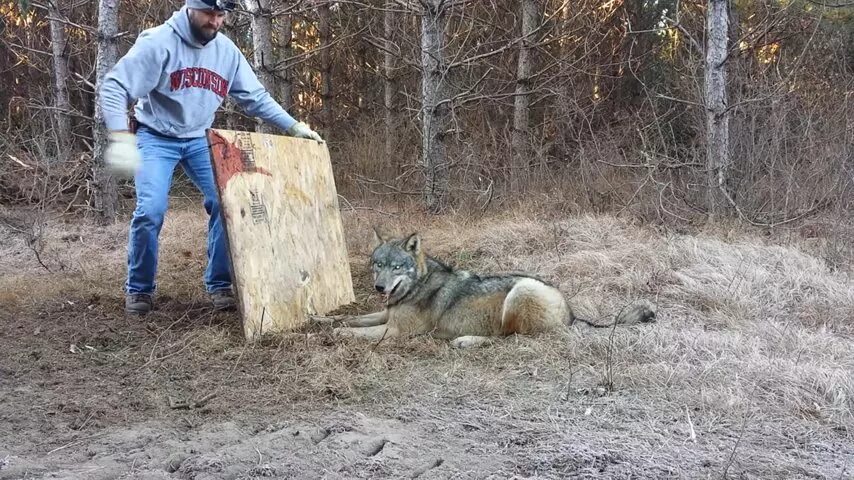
[(397, 264)]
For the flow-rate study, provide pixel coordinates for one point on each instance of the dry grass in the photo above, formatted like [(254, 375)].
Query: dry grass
[(746, 374)]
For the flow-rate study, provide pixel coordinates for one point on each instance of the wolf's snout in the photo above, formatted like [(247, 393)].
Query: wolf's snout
[(380, 288)]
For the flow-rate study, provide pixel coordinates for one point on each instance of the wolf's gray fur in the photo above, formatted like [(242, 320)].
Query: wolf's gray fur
[(425, 296)]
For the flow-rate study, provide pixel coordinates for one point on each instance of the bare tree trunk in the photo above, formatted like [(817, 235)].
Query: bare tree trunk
[(286, 88), (229, 111), (229, 106), (262, 46), (362, 78), (59, 47), (717, 117), (435, 105), (105, 195), (388, 81), (564, 111), (325, 31), (522, 101)]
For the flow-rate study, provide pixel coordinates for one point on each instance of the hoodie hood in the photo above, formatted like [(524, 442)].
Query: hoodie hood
[(180, 23)]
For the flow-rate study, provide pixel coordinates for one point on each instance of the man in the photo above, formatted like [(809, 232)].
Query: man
[(179, 72)]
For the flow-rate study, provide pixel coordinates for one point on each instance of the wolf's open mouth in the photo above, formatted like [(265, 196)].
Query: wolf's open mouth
[(389, 293)]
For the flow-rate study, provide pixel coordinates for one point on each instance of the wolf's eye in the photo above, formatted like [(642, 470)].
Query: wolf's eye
[(397, 267)]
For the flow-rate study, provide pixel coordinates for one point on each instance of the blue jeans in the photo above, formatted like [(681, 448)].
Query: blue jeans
[(160, 155)]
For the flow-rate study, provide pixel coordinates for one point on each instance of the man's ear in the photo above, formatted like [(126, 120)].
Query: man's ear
[(413, 244), (377, 239)]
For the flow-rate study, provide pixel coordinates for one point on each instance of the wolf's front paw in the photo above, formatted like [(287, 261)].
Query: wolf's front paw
[(469, 341), (343, 331), (321, 320)]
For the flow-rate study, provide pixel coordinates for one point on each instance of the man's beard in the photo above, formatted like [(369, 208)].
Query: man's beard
[(200, 34)]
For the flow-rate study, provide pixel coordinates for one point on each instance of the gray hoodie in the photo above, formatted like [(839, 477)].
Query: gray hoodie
[(180, 83)]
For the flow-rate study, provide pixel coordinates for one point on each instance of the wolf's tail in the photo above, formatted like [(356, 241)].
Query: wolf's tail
[(640, 313)]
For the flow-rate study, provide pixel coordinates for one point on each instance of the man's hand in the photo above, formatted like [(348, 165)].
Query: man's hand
[(301, 130), (122, 157)]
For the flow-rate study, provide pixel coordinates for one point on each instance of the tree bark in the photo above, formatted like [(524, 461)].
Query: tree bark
[(435, 109), (229, 106), (521, 104), (325, 31), (105, 195), (286, 89), (61, 103), (563, 109), (389, 86), (262, 47), (717, 117)]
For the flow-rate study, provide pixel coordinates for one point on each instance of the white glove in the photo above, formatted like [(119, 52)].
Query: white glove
[(301, 130), (122, 157)]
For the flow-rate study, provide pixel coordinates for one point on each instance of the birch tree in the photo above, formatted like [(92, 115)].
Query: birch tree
[(435, 104), (59, 53), (717, 117), (262, 48), (105, 197)]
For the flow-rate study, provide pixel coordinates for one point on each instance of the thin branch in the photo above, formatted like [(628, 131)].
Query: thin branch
[(831, 5), (512, 44)]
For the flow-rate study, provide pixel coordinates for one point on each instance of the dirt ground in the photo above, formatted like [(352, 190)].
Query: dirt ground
[(747, 373)]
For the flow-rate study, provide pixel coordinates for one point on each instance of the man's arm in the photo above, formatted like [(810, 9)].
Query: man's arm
[(251, 95), (133, 76)]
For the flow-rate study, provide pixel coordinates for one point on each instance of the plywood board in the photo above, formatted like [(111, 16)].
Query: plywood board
[(280, 206)]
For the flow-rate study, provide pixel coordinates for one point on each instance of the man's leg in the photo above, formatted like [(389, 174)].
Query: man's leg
[(197, 164), (159, 157)]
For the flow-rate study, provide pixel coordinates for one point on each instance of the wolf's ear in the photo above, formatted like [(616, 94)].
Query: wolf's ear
[(413, 243), (378, 239)]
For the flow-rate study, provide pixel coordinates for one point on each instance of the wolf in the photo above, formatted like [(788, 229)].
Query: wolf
[(423, 296)]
